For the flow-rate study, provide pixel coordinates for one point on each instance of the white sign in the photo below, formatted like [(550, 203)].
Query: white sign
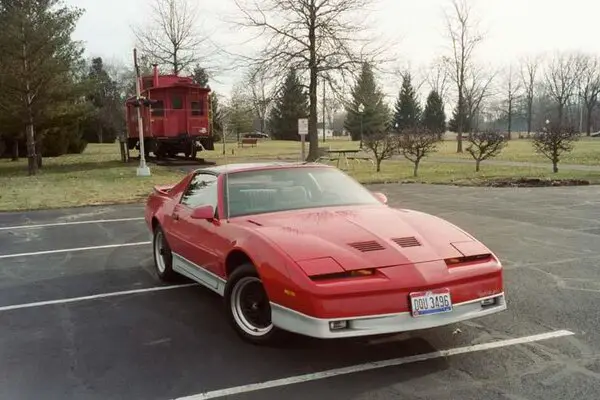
[(303, 126)]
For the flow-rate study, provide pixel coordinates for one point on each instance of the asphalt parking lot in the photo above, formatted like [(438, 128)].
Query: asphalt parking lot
[(93, 322)]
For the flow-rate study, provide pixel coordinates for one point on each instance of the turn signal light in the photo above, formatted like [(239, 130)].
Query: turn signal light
[(455, 261), (362, 272), (347, 274), (338, 325)]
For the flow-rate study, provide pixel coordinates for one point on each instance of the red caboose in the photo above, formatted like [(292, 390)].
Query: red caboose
[(176, 122)]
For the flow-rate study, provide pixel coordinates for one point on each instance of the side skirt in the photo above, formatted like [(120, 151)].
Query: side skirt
[(198, 274)]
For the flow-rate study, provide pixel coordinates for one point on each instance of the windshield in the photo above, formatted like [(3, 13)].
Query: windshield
[(255, 192)]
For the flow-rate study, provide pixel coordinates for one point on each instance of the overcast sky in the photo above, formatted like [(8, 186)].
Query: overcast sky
[(514, 28)]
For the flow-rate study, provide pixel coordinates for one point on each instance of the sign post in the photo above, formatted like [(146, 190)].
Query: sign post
[(303, 131)]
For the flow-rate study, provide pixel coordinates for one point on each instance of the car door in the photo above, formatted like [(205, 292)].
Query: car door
[(197, 238)]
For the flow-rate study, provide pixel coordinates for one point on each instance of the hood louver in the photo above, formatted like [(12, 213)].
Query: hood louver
[(407, 242), (366, 246)]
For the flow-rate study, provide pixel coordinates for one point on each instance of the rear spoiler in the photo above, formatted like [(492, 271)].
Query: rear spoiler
[(163, 189)]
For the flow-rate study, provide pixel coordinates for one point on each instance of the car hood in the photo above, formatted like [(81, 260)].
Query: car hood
[(363, 237)]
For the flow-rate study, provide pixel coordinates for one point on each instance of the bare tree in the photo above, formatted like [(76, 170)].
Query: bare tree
[(317, 36), (417, 143), (261, 95), (485, 145), (437, 78), (590, 88), (554, 142), (464, 38), (529, 69), (477, 88), (562, 78), (383, 145), (513, 90), (170, 39)]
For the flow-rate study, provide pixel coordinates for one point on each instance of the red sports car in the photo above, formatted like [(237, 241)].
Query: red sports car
[(307, 249)]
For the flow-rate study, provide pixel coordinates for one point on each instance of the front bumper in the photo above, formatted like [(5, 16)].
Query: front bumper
[(302, 324)]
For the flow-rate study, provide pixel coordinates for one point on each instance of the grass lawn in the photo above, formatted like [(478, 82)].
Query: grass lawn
[(585, 152), (95, 177), (98, 177)]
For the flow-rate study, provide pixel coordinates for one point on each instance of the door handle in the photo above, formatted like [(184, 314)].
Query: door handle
[(176, 216)]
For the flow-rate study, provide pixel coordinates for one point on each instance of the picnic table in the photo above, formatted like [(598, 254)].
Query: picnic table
[(339, 154)]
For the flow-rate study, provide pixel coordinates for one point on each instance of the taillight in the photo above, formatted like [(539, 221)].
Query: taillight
[(457, 261)]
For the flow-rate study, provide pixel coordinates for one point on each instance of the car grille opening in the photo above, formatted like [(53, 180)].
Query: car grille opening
[(407, 241), (366, 246)]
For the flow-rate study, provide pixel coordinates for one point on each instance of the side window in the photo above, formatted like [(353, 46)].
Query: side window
[(197, 108), (201, 191), (177, 103), (158, 109)]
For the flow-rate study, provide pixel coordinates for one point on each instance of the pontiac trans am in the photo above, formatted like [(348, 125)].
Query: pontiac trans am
[(305, 248)]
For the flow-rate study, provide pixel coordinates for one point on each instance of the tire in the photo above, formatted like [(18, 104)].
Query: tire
[(163, 257), (261, 330)]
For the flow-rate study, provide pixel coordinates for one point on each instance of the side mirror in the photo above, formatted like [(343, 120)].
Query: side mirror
[(381, 197), (203, 212)]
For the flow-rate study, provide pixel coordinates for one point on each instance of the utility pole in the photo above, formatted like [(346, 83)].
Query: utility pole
[(143, 169)]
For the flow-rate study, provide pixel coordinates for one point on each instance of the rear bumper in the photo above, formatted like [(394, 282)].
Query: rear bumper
[(297, 322)]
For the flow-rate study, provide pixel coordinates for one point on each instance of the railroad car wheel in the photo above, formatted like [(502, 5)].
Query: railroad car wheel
[(248, 308), (163, 258)]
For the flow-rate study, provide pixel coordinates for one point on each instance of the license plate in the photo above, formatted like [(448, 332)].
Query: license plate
[(430, 302)]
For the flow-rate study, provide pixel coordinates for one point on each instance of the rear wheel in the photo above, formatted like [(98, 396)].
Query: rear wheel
[(248, 307), (163, 257)]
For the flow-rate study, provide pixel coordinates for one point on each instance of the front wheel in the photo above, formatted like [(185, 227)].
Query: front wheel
[(163, 257), (248, 307)]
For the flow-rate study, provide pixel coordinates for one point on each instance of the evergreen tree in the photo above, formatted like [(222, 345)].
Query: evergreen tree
[(37, 65), (407, 110), (290, 105), (216, 116), (375, 116), (453, 123), (200, 76), (107, 119), (434, 117)]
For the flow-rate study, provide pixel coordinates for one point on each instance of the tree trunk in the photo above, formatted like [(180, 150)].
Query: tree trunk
[(555, 166), (560, 114), (477, 164), (32, 161), (510, 119), (588, 122), (460, 123), (313, 140), (416, 169), (378, 165), (529, 115), (15, 150)]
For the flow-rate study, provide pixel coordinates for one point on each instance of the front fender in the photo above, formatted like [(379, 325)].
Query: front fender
[(283, 279)]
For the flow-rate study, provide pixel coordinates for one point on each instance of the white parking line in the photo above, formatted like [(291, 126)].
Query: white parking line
[(94, 296), (376, 365), (37, 253), (93, 221)]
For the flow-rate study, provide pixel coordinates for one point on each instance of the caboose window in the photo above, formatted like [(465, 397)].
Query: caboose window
[(177, 103), (158, 109), (197, 108)]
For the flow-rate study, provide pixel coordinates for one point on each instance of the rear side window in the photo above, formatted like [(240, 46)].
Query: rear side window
[(202, 191)]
